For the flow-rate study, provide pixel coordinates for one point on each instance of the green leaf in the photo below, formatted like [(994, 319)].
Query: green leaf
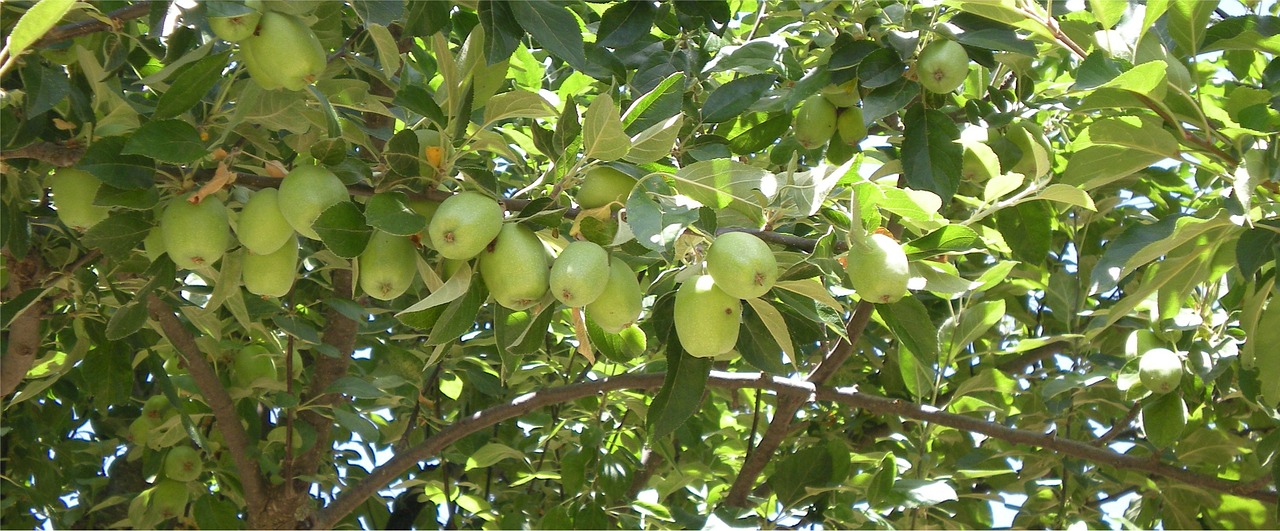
[(1257, 247), (384, 43), (761, 135), (1249, 32), (106, 162), (554, 27), (931, 157), (128, 319), (730, 99), (973, 323), (216, 512), (380, 12), (681, 393), (298, 328), (389, 212), (602, 135), (416, 99), (656, 142), (363, 427), (909, 321), (721, 183), (757, 345), (1147, 79), (881, 486), (172, 141), (1066, 194), (951, 238), (459, 316), (1107, 12), (119, 234), (1163, 419), (403, 154), (516, 104), (925, 493), (1186, 22), (457, 285), (880, 68), (999, 39), (1142, 243), (45, 87), (624, 22), (657, 223), (491, 454), (326, 108), (1097, 166), (190, 84), (355, 388), (777, 327), (502, 32), (1027, 228), (656, 105), (343, 230), (34, 23), (794, 474)]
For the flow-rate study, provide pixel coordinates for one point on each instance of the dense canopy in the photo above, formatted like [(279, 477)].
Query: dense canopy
[(661, 264)]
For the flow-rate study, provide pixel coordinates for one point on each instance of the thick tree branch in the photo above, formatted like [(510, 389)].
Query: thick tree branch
[(24, 344), (47, 152), (803, 391), (224, 411)]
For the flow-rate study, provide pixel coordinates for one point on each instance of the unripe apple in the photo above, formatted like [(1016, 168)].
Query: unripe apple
[(942, 66), (603, 185), (464, 225), (251, 364), (238, 27), (742, 265), (271, 275), (169, 498), (183, 463), (388, 266), (1160, 370), (195, 235), (878, 269), (707, 319), (815, 122), (620, 303), (284, 53), (515, 267), (262, 228), (73, 194), (305, 193), (580, 274), (849, 125)]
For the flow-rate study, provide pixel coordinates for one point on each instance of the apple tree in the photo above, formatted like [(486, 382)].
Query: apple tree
[(667, 264)]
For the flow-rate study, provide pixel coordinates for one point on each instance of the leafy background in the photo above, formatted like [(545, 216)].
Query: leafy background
[(1137, 189)]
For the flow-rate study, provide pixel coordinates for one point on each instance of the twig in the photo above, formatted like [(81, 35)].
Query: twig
[(224, 412), (402, 462), (1120, 426), (1031, 357)]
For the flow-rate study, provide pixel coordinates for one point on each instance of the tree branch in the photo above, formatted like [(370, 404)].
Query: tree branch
[(24, 344), (73, 30), (224, 411), (803, 390), (1031, 357)]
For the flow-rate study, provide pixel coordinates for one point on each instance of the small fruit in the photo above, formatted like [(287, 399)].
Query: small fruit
[(515, 267), (464, 225), (849, 124), (1160, 370), (620, 303), (183, 463), (195, 235), (169, 498), (155, 407), (1140, 341), (73, 194), (603, 185), (634, 342), (878, 269), (305, 193), (284, 53), (271, 275), (942, 66), (579, 274), (815, 122), (845, 95), (235, 28), (261, 228), (742, 265), (388, 266), (251, 364), (707, 318)]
